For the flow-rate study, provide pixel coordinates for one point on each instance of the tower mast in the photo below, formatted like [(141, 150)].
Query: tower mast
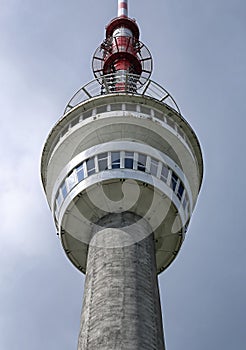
[(123, 8), (122, 52), (122, 170)]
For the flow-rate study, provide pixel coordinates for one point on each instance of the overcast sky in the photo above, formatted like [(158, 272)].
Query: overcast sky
[(199, 56)]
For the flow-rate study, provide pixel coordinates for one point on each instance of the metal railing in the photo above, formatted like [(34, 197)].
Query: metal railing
[(121, 82)]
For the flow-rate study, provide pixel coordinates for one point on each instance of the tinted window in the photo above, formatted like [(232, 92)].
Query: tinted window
[(164, 173), (180, 190), (170, 122), (64, 190), (90, 166), (142, 162), (153, 166), (129, 160), (80, 172), (174, 181), (145, 110), (65, 130), (102, 109), (102, 161), (71, 181), (115, 157), (116, 107), (181, 132), (131, 107), (159, 115), (74, 121), (87, 114)]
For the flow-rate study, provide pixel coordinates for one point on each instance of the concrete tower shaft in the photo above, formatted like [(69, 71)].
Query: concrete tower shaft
[(122, 170), (123, 313)]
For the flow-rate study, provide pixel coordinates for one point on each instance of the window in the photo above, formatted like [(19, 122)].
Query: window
[(115, 157), (71, 181), (129, 160), (74, 121), (116, 107), (153, 166), (185, 201), (180, 190), (59, 200), (130, 107), (64, 189), (164, 173), (102, 161), (87, 114), (90, 163), (65, 130), (80, 172), (142, 162), (145, 110), (174, 181), (181, 132), (158, 115), (102, 109), (170, 122)]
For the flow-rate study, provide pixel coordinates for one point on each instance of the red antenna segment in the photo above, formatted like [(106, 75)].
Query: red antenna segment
[(121, 53), (122, 8)]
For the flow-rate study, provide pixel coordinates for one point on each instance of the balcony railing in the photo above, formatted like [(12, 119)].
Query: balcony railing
[(121, 82)]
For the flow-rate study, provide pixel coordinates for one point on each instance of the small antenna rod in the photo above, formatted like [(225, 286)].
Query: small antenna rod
[(122, 8)]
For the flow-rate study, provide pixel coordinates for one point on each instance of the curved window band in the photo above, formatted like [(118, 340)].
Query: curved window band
[(113, 160)]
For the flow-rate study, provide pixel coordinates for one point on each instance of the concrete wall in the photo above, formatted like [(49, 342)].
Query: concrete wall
[(121, 307)]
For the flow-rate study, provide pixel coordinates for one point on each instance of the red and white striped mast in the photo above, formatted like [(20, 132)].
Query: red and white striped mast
[(122, 8), (121, 53)]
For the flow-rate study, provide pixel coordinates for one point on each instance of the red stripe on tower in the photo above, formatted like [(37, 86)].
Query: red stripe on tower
[(123, 5), (122, 8)]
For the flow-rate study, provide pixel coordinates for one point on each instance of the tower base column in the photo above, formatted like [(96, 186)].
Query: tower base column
[(121, 307)]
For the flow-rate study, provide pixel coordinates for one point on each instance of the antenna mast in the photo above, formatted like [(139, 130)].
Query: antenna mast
[(122, 54), (122, 8)]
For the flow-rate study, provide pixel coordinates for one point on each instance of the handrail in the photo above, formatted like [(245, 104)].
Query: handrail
[(121, 82)]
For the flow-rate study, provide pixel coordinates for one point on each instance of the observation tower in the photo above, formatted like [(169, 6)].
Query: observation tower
[(121, 170)]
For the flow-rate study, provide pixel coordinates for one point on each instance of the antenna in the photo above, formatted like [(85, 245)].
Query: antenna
[(122, 8), (121, 54)]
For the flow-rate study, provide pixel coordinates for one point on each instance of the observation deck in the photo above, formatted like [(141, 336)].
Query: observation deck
[(110, 139)]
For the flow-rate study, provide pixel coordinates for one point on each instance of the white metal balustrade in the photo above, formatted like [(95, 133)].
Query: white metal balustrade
[(121, 83)]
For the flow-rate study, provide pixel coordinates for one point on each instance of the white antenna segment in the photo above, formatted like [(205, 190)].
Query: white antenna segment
[(122, 8)]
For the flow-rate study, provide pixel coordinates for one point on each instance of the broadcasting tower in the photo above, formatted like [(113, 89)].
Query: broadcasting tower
[(121, 170)]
